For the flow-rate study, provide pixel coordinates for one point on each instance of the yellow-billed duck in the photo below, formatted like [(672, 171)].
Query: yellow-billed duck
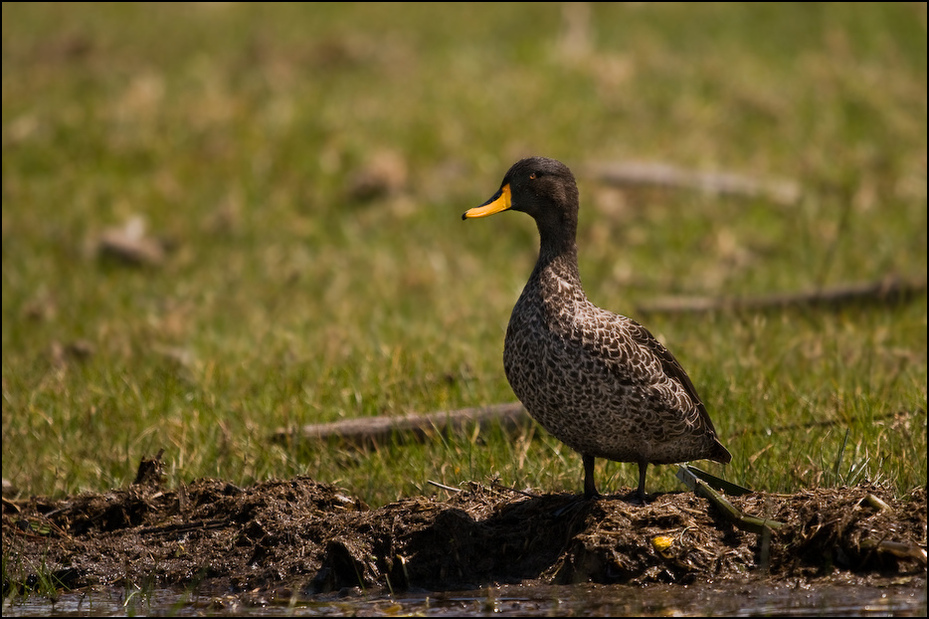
[(597, 381)]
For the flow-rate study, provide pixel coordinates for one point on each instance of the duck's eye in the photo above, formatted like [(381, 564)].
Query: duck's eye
[(533, 176)]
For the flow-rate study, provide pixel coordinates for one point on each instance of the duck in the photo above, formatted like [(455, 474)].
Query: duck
[(598, 381)]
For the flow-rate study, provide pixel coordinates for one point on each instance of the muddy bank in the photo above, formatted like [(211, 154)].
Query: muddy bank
[(299, 536)]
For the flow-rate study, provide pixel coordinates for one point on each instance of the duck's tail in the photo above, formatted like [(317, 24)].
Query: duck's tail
[(720, 453)]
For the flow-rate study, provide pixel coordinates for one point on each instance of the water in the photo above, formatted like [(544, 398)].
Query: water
[(906, 598)]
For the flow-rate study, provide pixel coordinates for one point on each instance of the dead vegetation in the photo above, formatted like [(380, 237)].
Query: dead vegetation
[(301, 537)]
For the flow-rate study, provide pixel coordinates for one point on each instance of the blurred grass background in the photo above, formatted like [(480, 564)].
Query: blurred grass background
[(303, 169)]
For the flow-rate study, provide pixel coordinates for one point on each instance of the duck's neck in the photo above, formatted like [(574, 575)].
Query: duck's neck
[(558, 257), (557, 239)]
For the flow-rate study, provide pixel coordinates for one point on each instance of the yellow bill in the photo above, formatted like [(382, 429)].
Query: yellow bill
[(499, 202)]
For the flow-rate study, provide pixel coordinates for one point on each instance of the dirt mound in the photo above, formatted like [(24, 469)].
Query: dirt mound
[(305, 537)]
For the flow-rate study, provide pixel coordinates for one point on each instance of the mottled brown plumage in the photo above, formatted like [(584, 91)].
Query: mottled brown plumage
[(598, 381)]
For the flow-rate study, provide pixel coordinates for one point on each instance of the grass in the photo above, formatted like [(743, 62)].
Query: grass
[(239, 133)]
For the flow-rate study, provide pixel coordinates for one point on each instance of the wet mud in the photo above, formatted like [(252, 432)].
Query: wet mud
[(300, 537)]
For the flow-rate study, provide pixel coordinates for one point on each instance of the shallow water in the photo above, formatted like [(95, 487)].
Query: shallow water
[(904, 598)]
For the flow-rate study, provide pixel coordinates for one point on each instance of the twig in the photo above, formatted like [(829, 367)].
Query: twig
[(499, 486), (442, 486)]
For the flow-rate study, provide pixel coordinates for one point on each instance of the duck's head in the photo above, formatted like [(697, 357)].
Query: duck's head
[(541, 187)]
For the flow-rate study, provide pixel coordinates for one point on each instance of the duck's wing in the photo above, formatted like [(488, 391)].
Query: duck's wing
[(672, 368), (669, 364), (616, 331)]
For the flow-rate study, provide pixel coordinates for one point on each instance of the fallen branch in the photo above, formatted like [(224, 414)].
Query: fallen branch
[(886, 291), (367, 431), (512, 417), (898, 549), (645, 174), (730, 512)]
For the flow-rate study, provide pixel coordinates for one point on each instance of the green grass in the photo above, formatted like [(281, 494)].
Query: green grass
[(237, 132)]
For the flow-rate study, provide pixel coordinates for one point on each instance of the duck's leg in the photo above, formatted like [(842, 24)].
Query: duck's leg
[(640, 492), (590, 488)]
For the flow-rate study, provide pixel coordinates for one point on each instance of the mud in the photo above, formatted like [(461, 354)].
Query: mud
[(299, 537)]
